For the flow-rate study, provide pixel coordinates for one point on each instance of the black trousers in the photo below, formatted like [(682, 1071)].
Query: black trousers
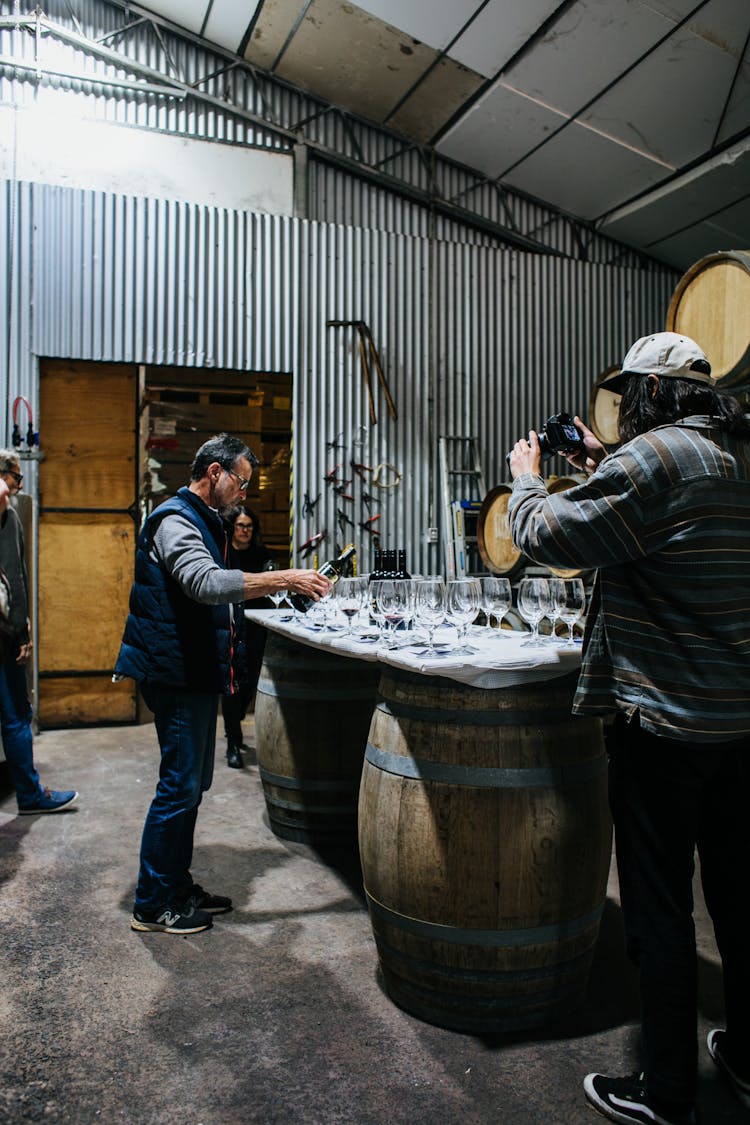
[(667, 798), (234, 707)]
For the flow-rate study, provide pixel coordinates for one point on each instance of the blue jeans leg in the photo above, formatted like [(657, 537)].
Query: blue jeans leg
[(186, 727), (15, 724)]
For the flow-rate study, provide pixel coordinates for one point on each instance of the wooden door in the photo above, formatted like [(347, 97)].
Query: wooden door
[(87, 531)]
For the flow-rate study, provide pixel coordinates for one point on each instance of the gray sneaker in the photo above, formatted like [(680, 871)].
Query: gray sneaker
[(171, 920), (716, 1042)]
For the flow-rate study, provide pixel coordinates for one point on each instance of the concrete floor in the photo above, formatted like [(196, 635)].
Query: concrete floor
[(277, 1015)]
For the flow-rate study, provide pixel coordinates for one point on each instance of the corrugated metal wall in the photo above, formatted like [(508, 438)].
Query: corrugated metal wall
[(473, 339)]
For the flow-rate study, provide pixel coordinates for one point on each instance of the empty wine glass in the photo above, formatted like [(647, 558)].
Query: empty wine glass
[(462, 601), (497, 597), (568, 603), (394, 596), (277, 596), (350, 594), (534, 603), (430, 608), (376, 614)]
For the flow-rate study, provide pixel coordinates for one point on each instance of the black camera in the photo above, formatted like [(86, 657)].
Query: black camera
[(559, 434)]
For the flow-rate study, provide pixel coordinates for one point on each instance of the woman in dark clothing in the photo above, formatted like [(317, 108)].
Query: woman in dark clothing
[(246, 552)]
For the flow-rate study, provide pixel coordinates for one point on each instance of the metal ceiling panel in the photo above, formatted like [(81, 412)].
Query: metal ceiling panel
[(608, 34), (701, 239), (435, 100), (585, 173), (661, 107), (499, 130), (435, 23), (275, 24), (498, 32), (227, 23), (187, 13), (699, 213), (339, 48)]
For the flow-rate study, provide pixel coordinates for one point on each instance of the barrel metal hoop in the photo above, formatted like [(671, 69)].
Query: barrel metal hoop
[(536, 974), (465, 718), (496, 939), (309, 785), (486, 777), (315, 691)]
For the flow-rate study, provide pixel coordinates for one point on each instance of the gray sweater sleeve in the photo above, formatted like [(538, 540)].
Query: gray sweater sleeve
[(179, 546)]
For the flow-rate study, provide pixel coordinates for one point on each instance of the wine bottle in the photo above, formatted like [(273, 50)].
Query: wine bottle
[(377, 570), (401, 568), (332, 570)]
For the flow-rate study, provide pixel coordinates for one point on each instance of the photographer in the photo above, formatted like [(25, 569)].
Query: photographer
[(665, 520)]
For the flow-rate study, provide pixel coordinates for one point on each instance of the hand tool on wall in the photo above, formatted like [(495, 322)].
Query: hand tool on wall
[(367, 343), (310, 544)]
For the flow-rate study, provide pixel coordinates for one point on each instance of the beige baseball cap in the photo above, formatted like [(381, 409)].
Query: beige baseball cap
[(666, 354)]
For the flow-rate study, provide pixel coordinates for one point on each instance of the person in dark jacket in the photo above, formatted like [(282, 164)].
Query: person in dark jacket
[(178, 645), (247, 552), (15, 708), (665, 520)]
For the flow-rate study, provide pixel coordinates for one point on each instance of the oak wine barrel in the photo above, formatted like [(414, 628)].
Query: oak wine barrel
[(312, 714), (485, 843), (496, 547), (604, 410), (711, 304)]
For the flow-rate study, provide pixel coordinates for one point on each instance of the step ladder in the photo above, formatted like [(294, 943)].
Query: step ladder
[(463, 492)]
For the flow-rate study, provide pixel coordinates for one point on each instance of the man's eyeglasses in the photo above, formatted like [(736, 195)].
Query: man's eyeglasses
[(241, 481), (17, 477)]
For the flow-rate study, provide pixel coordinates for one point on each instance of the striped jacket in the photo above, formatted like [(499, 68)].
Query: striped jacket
[(665, 520)]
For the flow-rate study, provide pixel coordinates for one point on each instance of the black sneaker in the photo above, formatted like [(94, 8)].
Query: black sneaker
[(626, 1099), (234, 758), (198, 899), (716, 1042), (171, 920)]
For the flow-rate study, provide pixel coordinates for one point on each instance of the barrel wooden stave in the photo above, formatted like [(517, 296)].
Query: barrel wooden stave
[(494, 542), (485, 901), (711, 305), (604, 410), (312, 714)]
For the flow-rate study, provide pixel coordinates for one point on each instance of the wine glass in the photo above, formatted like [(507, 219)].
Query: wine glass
[(373, 593), (277, 596), (534, 603), (394, 596), (496, 599), (462, 601), (429, 605), (568, 602), (350, 594)]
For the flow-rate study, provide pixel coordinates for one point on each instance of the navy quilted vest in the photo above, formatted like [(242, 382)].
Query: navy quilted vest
[(169, 638)]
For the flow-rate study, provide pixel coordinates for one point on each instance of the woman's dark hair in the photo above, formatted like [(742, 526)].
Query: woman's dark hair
[(641, 410), (225, 450), (242, 510)]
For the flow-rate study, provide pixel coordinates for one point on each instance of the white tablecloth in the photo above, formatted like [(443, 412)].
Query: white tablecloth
[(499, 661)]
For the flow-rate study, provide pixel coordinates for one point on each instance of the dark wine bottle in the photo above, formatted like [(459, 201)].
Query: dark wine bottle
[(377, 570), (333, 570), (401, 567)]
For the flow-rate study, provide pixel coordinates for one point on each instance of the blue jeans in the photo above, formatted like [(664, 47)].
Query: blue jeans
[(186, 728), (15, 724)]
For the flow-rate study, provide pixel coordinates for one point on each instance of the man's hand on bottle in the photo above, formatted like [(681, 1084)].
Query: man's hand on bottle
[(306, 582)]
